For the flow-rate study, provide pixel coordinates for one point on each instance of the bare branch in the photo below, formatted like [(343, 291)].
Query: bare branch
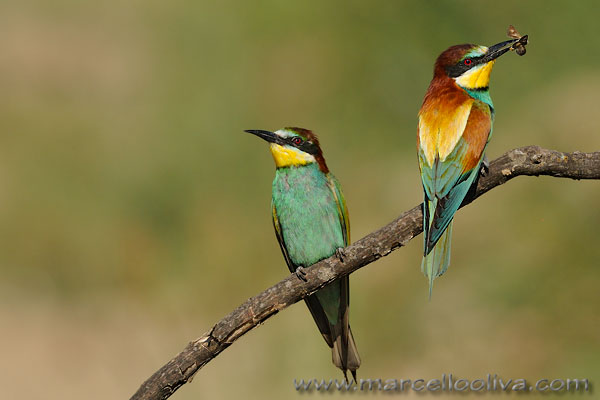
[(531, 161)]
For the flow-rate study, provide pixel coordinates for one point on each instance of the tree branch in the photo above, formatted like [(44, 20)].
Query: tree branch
[(531, 161)]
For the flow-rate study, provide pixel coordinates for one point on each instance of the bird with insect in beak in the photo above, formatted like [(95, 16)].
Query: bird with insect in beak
[(311, 223), (455, 125)]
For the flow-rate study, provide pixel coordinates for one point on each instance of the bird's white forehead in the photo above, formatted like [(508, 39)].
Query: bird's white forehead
[(284, 133)]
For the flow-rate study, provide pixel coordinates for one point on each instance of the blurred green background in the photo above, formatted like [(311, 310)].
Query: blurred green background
[(135, 213)]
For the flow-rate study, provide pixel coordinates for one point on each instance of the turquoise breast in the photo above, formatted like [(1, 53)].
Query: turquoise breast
[(308, 214)]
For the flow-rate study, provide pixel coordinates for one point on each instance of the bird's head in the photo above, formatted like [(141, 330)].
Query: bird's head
[(470, 65), (293, 147)]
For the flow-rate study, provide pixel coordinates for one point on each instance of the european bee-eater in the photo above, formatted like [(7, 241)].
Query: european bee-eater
[(455, 125), (311, 224)]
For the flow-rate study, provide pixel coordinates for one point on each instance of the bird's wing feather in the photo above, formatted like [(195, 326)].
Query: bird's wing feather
[(345, 353), (278, 232), (447, 181), (345, 224), (336, 189)]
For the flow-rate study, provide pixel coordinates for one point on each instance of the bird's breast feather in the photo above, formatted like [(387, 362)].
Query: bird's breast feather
[(441, 126)]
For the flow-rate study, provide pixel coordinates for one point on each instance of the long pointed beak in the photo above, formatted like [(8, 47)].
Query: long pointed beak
[(497, 50), (269, 136)]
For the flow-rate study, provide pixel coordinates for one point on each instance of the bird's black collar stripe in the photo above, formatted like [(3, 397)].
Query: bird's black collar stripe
[(480, 89)]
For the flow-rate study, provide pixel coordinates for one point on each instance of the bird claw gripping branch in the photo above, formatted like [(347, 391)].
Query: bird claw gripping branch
[(485, 166), (341, 254), (301, 274)]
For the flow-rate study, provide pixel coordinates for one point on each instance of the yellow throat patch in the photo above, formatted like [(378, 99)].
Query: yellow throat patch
[(476, 78), (285, 156)]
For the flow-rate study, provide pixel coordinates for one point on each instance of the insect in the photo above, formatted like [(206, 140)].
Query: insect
[(518, 46)]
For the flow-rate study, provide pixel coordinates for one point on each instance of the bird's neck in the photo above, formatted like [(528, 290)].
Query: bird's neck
[(443, 86), (310, 168), (481, 95), (294, 178)]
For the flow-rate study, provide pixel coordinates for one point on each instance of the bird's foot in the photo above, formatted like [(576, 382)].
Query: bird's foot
[(211, 338), (340, 253), (301, 274), (485, 166)]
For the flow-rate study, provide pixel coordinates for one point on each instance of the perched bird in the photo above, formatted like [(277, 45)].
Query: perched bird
[(311, 224), (455, 125)]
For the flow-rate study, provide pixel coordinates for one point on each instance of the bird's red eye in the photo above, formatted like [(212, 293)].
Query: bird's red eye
[(296, 140), (467, 61)]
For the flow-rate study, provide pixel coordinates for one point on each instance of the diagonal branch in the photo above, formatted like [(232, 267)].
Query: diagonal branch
[(530, 160)]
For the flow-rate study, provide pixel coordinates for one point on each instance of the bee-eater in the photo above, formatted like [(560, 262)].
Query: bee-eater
[(455, 125), (311, 224)]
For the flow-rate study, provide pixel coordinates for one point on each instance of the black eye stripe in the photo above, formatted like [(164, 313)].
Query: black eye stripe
[(309, 148), (290, 141), (304, 146), (460, 68)]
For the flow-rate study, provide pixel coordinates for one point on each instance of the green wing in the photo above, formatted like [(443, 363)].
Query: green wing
[(291, 266), (446, 184), (341, 204), (345, 354)]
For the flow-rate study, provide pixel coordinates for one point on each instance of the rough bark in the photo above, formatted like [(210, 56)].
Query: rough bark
[(530, 161)]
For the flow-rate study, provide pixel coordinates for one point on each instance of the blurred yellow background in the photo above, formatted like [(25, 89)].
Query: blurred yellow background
[(135, 213)]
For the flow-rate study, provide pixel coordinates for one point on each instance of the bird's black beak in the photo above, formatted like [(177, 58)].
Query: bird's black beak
[(497, 50), (270, 137)]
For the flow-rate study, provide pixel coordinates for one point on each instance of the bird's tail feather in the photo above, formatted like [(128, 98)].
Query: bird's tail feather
[(337, 335), (344, 353), (437, 261)]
